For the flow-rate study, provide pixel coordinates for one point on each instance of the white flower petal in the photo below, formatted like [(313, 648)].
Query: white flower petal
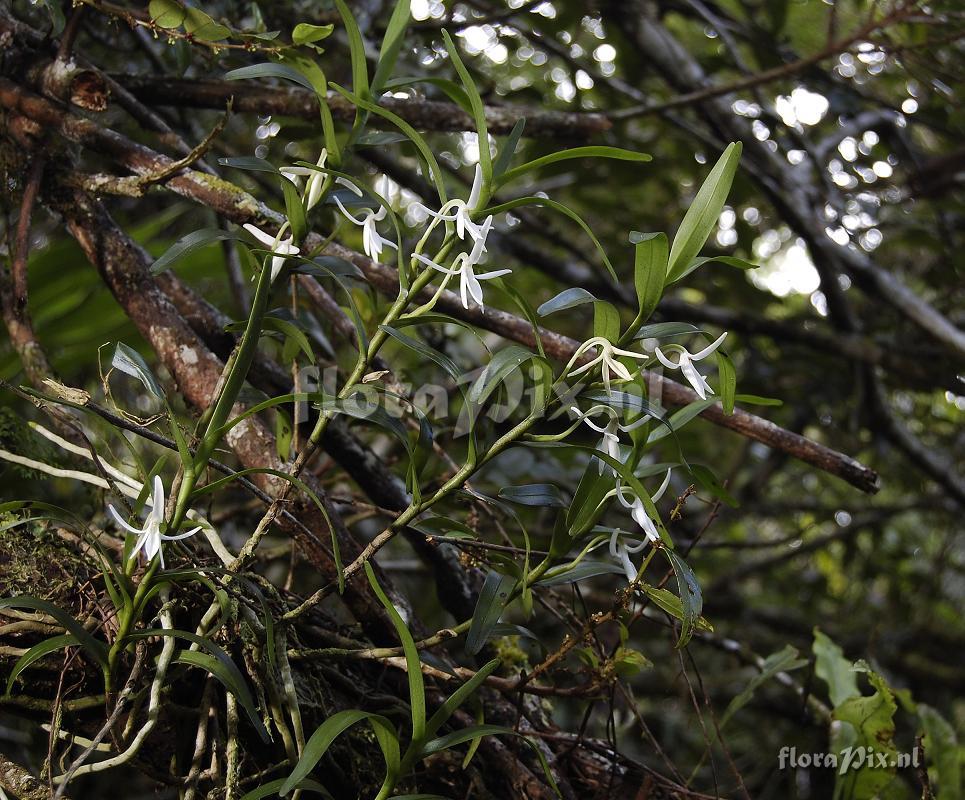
[(709, 348)]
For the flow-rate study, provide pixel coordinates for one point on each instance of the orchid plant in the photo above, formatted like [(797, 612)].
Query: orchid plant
[(453, 243)]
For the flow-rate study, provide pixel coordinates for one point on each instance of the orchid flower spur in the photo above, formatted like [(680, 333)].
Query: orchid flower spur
[(685, 361), (460, 211), (606, 357), (621, 549), (316, 178), (610, 443), (372, 241), (149, 537), (282, 248), (463, 265)]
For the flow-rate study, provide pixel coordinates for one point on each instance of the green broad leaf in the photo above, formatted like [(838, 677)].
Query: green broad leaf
[(94, 647), (567, 212), (664, 330), (568, 298), (272, 789), (594, 151), (166, 13), (534, 494), (417, 693), (606, 321), (392, 43), (667, 601), (356, 46), (703, 213), (628, 662), (129, 361), (784, 660), (834, 669), (872, 718), (318, 744), (305, 33), (943, 751), (478, 115), (269, 70), (37, 652), (202, 27), (508, 150), (294, 209), (691, 599), (565, 574), (727, 376), (188, 244), (757, 400), (284, 432), (462, 736), (649, 274), (709, 481), (493, 599)]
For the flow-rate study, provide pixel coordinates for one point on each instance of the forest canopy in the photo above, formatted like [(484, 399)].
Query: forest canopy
[(490, 398)]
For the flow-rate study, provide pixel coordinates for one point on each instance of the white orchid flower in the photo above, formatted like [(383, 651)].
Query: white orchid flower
[(610, 443), (463, 266), (313, 187), (621, 549), (460, 211), (372, 241), (282, 248), (149, 537), (685, 361), (606, 357)]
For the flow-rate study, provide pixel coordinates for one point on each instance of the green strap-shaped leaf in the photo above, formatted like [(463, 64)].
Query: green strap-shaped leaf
[(594, 151), (691, 599), (269, 70), (417, 694), (478, 114), (273, 789), (188, 244), (703, 213), (493, 598), (360, 71), (37, 652), (582, 571), (414, 136), (391, 44), (669, 602), (318, 744), (95, 647), (534, 494), (562, 209), (218, 663), (508, 150), (784, 660)]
